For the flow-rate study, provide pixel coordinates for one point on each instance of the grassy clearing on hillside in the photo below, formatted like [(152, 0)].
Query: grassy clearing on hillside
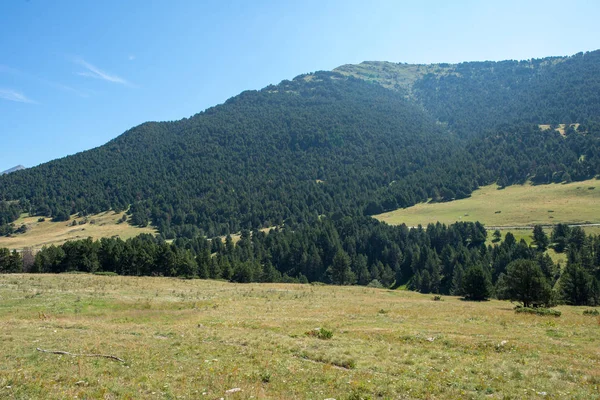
[(394, 75), (198, 339), (237, 236), (560, 129), (527, 235), (519, 205), (48, 232)]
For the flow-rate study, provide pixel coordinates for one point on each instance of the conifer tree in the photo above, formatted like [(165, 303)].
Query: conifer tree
[(476, 284), (457, 281), (339, 272)]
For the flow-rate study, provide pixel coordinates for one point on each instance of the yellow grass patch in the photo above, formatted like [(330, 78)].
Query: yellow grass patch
[(561, 127), (519, 205), (237, 236), (48, 232)]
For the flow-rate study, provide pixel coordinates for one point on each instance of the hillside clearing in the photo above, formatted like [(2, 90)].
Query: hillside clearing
[(560, 129), (395, 75), (519, 205), (47, 232), (189, 338), (527, 236)]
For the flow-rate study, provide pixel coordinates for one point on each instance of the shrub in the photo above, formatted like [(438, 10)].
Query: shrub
[(42, 219), (106, 273), (591, 312), (348, 363), (320, 333), (60, 216), (437, 298), (538, 311), (375, 284), (265, 377)]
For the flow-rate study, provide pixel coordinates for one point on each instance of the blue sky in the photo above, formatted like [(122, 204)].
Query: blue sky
[(75, 74)]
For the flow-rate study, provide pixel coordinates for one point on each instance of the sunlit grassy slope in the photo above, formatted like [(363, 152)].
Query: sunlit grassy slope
[(47, 232), (527, 235), (520, 205), (192, 339)]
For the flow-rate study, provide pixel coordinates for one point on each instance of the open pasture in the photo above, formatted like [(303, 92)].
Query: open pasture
[(40, 233), (513, 206), (190, 339)]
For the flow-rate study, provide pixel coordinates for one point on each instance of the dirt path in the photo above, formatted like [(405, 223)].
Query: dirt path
[(530, 227)]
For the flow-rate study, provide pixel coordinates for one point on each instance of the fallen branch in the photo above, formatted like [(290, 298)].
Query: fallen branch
[(66, 353)]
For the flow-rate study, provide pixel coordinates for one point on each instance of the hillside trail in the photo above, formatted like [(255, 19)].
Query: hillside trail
[(529, 227)]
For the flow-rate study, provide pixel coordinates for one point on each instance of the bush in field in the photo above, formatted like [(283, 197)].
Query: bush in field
[(375, 284), (538, 311), (591, 312), (320, 333)]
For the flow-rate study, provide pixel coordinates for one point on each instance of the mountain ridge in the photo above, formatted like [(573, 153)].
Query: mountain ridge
[(13, 169), (398, 75)]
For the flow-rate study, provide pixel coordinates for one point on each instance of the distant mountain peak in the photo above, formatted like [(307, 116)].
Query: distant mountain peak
[(13, 169)]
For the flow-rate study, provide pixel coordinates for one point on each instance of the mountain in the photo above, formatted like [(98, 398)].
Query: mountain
[(13, 169), (319, 144), (474, 96), (356, 141)]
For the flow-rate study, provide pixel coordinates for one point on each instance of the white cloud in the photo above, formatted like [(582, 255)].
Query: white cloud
[(13, 95), (97, 73)]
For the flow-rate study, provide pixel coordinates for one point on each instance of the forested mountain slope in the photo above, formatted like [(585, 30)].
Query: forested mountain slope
[(334, 144), (319, 144), (473, 97)]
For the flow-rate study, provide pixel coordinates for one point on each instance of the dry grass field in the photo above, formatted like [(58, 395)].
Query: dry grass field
[(520, 205), (47, 232), (560, 129), (191, 339)]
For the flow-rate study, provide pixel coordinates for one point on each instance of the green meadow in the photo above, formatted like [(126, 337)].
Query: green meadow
[(513, 206)]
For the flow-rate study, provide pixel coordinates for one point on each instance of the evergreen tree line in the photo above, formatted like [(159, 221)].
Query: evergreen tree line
[(436, 259)]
